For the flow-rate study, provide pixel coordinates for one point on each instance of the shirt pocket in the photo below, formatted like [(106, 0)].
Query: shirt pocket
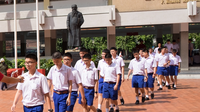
[(91, 75), (35, 86)]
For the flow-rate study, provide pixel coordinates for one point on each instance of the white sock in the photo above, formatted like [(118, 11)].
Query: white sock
[(174, 85), (99, 106), (147, 96), (111, 105), (138, 91), (107, 109), (121, 97), (160, 85), (158, 82), (137, 98), (167, 83), (116, 107)]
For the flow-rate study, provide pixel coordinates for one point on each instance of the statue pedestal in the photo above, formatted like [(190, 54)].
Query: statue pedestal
[(75, 55)]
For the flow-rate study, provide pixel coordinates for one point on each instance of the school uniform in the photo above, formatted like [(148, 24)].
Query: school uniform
[(169, 47), (60, 79), (156, 50), (110, 73), (33, 90), (101, 64), (120, 62), (88, 78), (176, 46), (138, 67), (150, 63), (81, 65), (162, 59), (152, 55), (76, 80), (174, 60)]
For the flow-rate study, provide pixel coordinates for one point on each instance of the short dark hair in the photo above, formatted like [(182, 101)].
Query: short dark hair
[(87, 56), (106, 51), (113, 48), (141, 49), (135, 51), (68, 55), (174, 51), (174, 40), (108, 55), (159, 49), (145, 50), (168, 40), (150, 48), (190, 39), (140, 40), (31, 56), (163, 47), (56, 55), (83, 49)]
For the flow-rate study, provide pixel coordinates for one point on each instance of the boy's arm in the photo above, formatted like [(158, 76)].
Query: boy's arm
[(117, 83), (70, 91), (9, 80), (122, 68), (83, 101), (17, 96), (129, 72), (96, 88), (48, 100)]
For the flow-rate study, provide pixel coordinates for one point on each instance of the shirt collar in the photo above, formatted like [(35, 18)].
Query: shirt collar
[(116, 57), (62, 67), (35, 75), (139, 59)]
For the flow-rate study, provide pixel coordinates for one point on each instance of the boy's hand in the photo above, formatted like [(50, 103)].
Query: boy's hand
[(13, 108), (68, 101), (115, 87)]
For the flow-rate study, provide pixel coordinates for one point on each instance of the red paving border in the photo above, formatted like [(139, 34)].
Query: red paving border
[(185, 99)]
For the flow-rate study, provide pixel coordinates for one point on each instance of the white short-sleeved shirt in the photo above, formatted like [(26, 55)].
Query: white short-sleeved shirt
[(76, 79), (169, 47), (174, 60), (80, 65), (33, 89), (110, 72), (150, 63), (156, 50), (137, 66), (162, 59), (88, 76), (119, 61), (60, 78), (176, 46), (101, 64), (152, 55)]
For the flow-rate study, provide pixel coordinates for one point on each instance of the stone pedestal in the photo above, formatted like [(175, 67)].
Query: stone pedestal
[(75, 55)]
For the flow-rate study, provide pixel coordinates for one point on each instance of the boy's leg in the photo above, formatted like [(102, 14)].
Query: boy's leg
[(100, 94), (85, 109), (143, 94), (107, 104), (146, 89), (160, 80), (73, 101), (116, 105), (175, 80), (56, 102), (100, 100)]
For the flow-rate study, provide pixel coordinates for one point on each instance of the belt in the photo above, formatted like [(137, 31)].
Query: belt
[(61, 92), (32, 106), (111, 82), (150, 73), (173, 65), (88, 87)]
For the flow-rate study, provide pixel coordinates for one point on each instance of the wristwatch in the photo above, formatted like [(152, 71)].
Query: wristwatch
[(50, 110), (95, 92)]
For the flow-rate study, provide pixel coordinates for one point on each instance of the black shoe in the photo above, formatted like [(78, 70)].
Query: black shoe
[(163, 83), (147, 98), (139, 94), (168, 86), (137, 102), (99, 110), (152, 96), (172, 85), (160, 89), (111, 110), (122, 101), (143, 99), (158, 85), (117, 110), (174, 88)]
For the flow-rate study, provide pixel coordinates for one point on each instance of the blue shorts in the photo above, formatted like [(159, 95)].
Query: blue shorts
[(138, 81), (60, 102), (150, 81), (89, 96), (74, 96), (100, 88), (173, 70), (120, 82), (109, 92), (34, 109), (162, 71)]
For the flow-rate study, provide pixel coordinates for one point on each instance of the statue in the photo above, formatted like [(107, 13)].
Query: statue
[(74, 22)]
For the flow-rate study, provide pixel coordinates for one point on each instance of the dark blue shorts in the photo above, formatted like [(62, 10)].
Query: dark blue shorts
[(60, 102), (100, 88), (138, 81), (89, 96), (109, 92), (162, 71), (173, 70), (120, 82), (34, 109), (74, 96), (150, 81)]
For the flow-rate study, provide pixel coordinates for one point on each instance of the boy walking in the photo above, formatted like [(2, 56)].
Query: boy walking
[(61, 77), (111, 73), (34, 89)]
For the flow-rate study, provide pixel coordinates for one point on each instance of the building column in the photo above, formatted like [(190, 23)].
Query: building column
[(50, 42), (23, 44), (111, 37), (184, 29), (159, 34), (176, 32), (3, 48), (65, 39)]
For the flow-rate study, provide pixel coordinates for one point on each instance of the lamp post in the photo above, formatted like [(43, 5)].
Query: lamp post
[(15, 33), (38, 34)]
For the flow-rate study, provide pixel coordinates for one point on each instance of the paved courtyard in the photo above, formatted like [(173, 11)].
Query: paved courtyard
[(185, 99)]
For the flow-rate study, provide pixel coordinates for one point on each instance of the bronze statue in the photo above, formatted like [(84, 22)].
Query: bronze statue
[(74, 22)]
